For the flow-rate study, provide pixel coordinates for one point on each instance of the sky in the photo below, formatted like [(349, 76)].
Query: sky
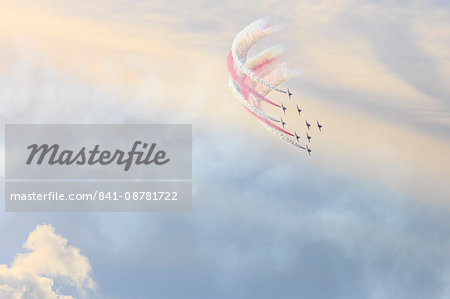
[(366, 216)]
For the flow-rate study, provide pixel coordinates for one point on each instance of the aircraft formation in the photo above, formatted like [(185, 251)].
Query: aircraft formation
[(307, 124), (251, 80)]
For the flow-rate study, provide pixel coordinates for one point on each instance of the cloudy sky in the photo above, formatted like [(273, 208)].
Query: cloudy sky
[(367, 216)]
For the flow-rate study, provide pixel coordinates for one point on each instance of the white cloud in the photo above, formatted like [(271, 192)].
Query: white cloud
[(32, 274)]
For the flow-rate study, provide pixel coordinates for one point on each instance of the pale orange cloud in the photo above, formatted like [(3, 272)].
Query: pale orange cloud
[(48, 257)]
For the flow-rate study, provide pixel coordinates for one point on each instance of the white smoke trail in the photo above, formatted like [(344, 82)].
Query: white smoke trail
[(244, 40), (266, 55), (275, 75), (237, 93)]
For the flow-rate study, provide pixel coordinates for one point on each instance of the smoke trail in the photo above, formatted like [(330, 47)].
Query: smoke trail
[(244, 40), (251, 81), (243, 84)]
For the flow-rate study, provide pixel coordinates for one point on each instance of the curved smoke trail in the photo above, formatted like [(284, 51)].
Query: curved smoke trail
[(250, 81), (244, 40)]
